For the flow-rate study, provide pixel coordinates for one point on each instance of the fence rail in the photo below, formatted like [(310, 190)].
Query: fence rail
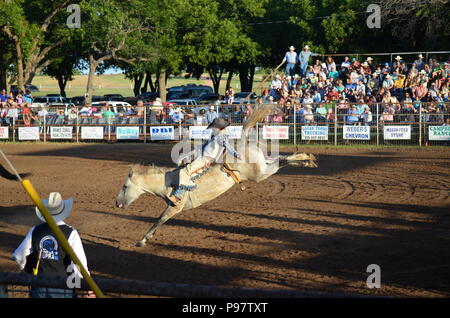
[(115, 287), (413, 123)]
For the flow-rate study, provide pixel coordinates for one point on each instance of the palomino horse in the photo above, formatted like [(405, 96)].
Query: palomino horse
[(159, 181)]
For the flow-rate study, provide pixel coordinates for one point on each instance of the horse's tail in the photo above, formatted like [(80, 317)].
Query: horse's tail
[(300, 160), (7, 175)]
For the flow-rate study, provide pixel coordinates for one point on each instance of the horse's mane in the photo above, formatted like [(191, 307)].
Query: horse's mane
[(143, 169)]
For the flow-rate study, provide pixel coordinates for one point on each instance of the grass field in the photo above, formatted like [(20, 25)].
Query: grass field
[(118, 84)]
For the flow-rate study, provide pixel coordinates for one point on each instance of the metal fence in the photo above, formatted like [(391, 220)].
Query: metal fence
[(334, 123)]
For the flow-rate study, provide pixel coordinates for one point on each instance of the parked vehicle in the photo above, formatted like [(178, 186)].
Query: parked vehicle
[(113, 97), (81, 100), (208, 98), (47, 100), (183, 102), (148, 96), (191, 90), (116, 107), (240, 98), (32, 88)]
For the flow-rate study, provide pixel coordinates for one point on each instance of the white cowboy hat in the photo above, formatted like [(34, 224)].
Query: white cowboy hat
[(420, 56), (423, 72), (277, 76), (308, 106), (370, 59), (291, 47), (388, 76), (306, 47), (296, 75), (365, 64), (271, 98), (158, 99), (398, 57), (56, 206)]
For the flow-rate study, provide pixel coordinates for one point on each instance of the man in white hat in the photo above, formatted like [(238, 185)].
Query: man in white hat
[(291, 57), (419, 63), (304, 58), (211, 114), (40, 252)]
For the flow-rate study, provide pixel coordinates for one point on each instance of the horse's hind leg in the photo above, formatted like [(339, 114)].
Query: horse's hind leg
[(165, 216)]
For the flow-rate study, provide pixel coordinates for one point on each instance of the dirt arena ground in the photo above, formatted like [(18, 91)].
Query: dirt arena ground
[(311, 229)]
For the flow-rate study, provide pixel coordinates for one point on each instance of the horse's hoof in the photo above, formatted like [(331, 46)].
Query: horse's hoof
[(140, 243)]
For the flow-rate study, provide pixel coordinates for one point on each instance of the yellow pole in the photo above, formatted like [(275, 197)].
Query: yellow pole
[(60, 236)]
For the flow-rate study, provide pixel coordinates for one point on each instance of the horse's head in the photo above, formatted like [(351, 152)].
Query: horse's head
[(129, 192)]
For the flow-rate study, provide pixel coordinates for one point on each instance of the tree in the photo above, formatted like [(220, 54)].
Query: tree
[(29, 26), (113, 30)]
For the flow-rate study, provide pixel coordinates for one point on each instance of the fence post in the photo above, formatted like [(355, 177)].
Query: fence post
[(145, 124), (14, 129), (420, 124), (335, 124), (378, 124), (295, 127), (45, 125), (76, 126)]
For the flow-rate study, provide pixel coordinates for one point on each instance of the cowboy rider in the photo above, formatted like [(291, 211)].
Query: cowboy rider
[(211, 151)]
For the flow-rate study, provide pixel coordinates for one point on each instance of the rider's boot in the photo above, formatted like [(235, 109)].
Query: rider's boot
[(178, 193)]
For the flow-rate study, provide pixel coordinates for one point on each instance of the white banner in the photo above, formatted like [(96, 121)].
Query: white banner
[(275, 132), (162, 133), (199, 132), (127, 133), (439, 133), (314, 132), (28, 133), (91, 132), (356, 132), (234, 132), (397, 132), (4, 132), (61, 132)]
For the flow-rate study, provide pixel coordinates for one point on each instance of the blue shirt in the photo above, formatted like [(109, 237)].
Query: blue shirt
[(3, 98), (291, 57), (304, 56)]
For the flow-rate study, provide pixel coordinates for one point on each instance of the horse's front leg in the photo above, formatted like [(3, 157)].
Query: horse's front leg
[(165, 216)]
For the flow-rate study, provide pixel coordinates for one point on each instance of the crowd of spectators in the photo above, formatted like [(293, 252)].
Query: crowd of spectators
[(354, 88), (355, 91)]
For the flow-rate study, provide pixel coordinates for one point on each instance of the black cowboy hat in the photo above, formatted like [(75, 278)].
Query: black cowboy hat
[(219, 123)]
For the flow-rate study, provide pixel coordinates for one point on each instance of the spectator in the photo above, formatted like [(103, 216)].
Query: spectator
[(367, 116), (308, 114), (3, 96), (419, 63), (304, 58), (41, 247), (291, 57), (211, 114)]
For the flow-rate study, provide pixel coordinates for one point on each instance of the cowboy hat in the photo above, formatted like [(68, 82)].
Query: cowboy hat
[(365, 64), (388, 76), (291, 47), (308, 106), (56, 206), (158, 99), (398, 57), (420, 56), (306, 47), (423, 72), (369, 59), (219, 123)]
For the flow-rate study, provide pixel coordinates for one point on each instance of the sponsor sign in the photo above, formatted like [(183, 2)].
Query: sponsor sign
[(61, 132), (439, 133), (91, 132), (199, 132), (397, 132), (314, 132), (162, 133), (234, 132), (28, 133), (4, 132), (356, 132), (127, 133), (275, 132)]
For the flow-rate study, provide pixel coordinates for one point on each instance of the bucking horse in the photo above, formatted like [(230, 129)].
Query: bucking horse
[(219, 178)]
